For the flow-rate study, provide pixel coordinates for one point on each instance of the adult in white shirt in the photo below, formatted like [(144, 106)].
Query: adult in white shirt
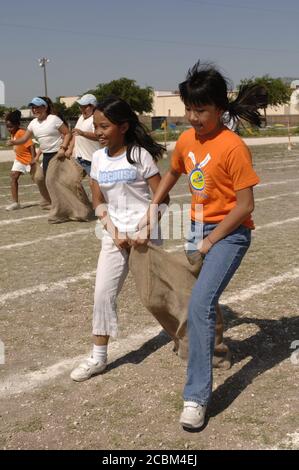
[(52, 134), (84, 141)]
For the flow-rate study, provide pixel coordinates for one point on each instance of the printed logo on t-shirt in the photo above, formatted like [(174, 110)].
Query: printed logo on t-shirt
[(197, 179), (125, 175)]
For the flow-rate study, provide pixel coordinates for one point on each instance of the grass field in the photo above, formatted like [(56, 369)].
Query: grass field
[(46, 297)]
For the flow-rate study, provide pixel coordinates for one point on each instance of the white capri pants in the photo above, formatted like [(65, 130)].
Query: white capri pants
[(112, 271)]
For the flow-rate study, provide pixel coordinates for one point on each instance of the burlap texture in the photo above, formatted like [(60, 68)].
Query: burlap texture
[(164, 282), (69, 200)]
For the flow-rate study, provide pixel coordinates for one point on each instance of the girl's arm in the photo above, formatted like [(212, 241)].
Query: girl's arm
[(242, 209), (22, 140), (166, 184), (160, 195), (38, 154), (101, 210), (70, 149), (33, 153), (66, 134), (151, 218), (87, 135)]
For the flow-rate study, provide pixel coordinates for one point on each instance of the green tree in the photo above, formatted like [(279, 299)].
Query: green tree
[(279, 92), (73, 112), (140, 99), (4, 110)]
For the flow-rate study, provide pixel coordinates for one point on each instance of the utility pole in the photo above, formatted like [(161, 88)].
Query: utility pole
[(42, 63)]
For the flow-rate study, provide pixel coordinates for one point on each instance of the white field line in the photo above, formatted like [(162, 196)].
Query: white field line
[(290, 160), (24, 205), (261, 185), (71, 280), (272, 183), (22, 219), (277, 223), (284, 167), (186, 194), (277, 196), (46, 239), (22, 383), (256, 166), (259, 227), (84, 231), (291, 442), (21, 193), (260, 288), (21, 185), (53, 286), (54, 237)]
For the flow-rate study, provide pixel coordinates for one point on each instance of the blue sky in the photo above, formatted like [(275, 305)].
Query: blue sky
[(153, 42)]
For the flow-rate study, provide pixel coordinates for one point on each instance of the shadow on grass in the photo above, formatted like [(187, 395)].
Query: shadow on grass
[(267, 348), (138, 355)]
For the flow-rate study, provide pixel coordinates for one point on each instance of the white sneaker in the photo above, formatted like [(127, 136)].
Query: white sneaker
[(193, 415), (87, 369), (13, 206)]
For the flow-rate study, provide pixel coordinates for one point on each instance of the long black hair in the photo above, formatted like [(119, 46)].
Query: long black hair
[(204, 85), (118, 112)]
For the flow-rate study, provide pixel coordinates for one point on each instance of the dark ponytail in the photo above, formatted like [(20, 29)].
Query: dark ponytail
[(118, 112), (247, 103), (206, 85)]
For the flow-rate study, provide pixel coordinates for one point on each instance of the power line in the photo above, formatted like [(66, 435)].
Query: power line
[(241, 7), (148, 40)]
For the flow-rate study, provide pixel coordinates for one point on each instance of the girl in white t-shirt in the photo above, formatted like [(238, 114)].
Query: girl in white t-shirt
[(123, 173)]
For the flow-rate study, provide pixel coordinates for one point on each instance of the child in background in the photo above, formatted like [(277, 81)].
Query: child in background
[(25, 156)]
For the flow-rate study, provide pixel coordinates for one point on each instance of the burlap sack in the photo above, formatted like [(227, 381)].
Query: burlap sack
[(164, 282), (68, 197)]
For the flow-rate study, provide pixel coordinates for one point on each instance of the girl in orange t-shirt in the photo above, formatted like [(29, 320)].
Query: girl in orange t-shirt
[(221, 180), (25, 156)]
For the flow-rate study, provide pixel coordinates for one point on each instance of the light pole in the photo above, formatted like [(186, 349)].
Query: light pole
[(42, 63)]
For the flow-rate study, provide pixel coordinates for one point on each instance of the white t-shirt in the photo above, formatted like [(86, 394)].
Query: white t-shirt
[(230, 122), (124, 185), (84, 148), (47, 133)]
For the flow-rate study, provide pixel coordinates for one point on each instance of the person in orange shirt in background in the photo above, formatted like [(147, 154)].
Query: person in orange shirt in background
[(221, 180), (25, 156)]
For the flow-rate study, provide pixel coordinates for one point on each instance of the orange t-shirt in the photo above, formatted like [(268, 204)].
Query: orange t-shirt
[(23, 153), (217, 168)]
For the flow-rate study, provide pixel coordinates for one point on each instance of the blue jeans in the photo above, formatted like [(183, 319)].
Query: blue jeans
[(219, 266), (85, 164)]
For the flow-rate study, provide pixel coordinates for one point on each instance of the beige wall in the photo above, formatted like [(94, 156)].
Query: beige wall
[(167, 105), (170, 104), (68, 100)]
